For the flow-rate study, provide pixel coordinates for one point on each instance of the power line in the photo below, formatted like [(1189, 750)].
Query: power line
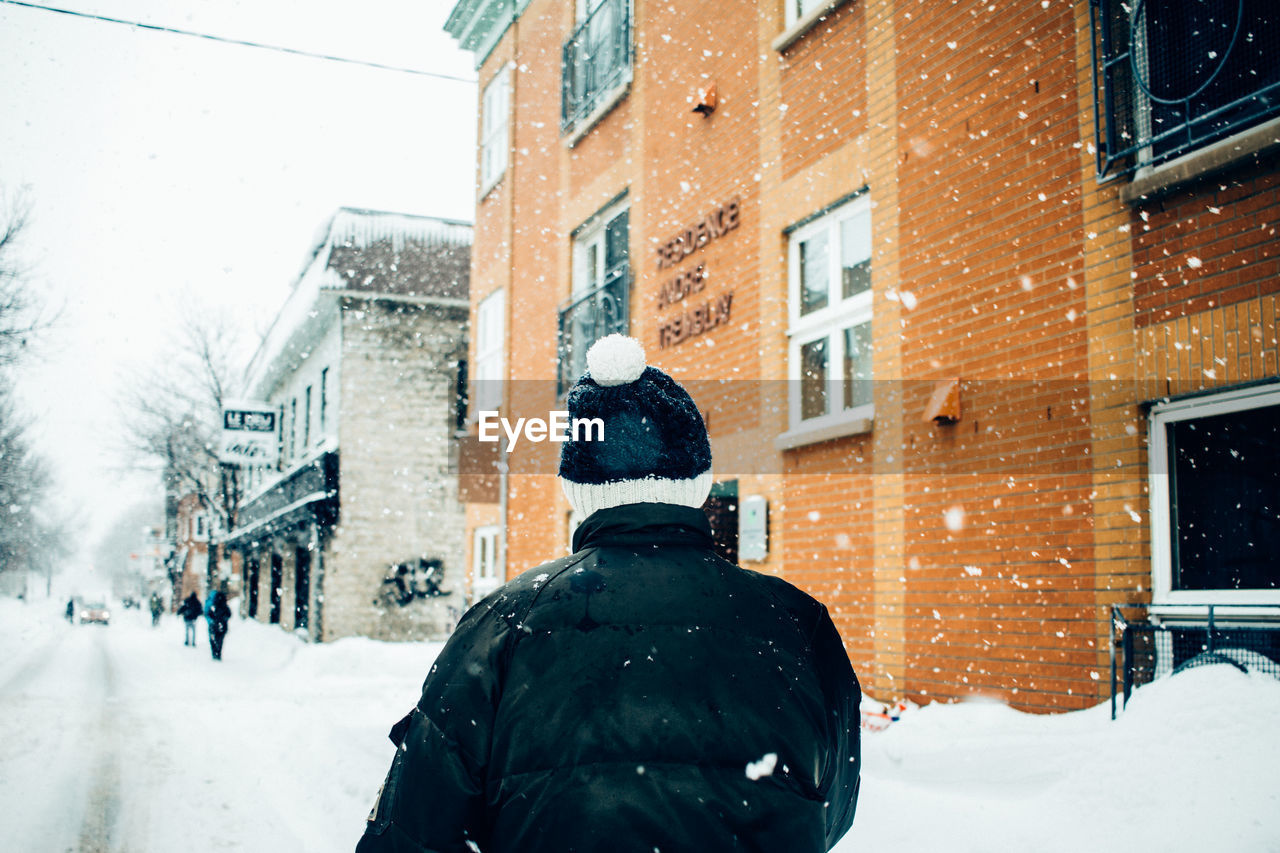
[(242, 42)]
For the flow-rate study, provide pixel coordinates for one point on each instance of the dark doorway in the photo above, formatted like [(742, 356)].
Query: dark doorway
[(722, 511), (301, 587), (277, 578), (252, 567)]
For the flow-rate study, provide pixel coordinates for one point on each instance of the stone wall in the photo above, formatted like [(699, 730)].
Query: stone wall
[(397, 483)]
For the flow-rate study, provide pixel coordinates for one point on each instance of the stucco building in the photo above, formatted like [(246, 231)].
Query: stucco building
[(979, 302)]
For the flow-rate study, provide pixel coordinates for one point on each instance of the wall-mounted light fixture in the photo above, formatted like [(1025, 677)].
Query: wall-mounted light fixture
[(944, 405), (706, 100)]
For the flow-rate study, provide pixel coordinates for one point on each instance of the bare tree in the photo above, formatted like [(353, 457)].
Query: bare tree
[(31, 537), (18, 316), (172, 410)]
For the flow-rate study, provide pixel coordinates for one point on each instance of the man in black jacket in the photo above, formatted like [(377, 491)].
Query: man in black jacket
[(641, 694), (190, 611)]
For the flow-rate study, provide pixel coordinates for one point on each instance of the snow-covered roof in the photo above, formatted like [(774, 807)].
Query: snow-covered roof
[(367, 251), (478, 25), (358, 228)]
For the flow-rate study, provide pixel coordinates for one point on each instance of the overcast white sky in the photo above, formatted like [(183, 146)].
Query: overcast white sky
[(164, 169)]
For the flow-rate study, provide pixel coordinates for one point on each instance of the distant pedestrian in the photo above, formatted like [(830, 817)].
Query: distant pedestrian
[(157, 606), (190, 611), (71, 610), (219, 615)]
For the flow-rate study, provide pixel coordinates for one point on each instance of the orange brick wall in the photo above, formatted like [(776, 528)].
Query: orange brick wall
[(823, 106), (1210, 245), (998, 259)]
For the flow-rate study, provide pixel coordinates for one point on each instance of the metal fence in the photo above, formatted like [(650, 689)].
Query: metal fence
[(1142, 651), (587, 318), (595, 60), (1171, 76)]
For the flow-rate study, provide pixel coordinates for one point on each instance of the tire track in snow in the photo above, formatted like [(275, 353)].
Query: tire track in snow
[(99, 830)]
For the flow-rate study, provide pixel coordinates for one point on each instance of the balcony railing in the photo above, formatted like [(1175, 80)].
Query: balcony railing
[(1172, 76), (596, 59), (587, 318)]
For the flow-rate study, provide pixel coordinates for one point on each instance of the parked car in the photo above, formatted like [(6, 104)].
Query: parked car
[(96, 612)]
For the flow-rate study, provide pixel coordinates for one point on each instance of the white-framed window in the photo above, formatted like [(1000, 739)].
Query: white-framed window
[(293, 429), (797, 9), (599, 304), (596, 60), (495, 122), (830, 347), (324, 403), (490, 364), (600, 249), (486, 562), (1215, 498)]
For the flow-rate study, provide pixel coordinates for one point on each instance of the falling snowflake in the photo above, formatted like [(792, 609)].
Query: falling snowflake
[(763, 767)]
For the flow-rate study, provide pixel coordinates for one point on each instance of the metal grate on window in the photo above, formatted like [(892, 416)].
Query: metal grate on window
[(595, 60), (1171, 76), (588, 318)]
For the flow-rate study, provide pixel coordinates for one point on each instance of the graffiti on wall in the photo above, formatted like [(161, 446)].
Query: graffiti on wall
[(414, 579)]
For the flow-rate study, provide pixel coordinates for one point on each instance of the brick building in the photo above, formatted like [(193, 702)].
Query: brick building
[(190, 528), (357, 528), (985, 341)]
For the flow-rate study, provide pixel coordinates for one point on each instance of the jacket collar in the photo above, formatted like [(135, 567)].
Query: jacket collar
[(644, 524)]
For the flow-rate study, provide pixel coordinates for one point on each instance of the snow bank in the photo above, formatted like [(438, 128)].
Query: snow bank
[(1193, 764), (282, 746)]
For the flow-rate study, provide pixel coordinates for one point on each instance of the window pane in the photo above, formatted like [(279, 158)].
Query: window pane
[(593, 267), (813, 379), (493, 136), (616, 244), (1224, 508), (857, 365), (803, 7), (855, 255), (813, 273)]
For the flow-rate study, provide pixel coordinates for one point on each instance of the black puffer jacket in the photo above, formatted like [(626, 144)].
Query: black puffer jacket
[(642, 694)]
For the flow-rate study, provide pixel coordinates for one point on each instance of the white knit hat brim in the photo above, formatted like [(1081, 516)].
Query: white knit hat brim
[(586, 498)]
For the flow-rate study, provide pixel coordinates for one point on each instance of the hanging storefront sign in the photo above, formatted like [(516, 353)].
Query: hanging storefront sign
[(248, 435)]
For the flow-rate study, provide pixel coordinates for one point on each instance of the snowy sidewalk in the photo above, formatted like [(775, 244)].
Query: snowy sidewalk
[(282, 745)]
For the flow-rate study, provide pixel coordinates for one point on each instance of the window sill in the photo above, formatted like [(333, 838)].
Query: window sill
[(607, 102), (814, 433), (1152, 182), (485, 189), (793, 33), (1181, 613)]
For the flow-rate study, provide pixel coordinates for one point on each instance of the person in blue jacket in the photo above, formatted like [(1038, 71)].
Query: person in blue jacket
[(218, 615)]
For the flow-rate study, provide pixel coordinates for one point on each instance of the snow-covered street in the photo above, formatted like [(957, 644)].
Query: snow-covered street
[(122, 739)]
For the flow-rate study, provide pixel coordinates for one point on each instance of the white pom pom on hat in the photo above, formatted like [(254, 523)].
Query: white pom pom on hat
[(615, 360)]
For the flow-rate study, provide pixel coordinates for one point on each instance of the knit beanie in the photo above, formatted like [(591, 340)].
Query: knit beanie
[(655, 447)]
